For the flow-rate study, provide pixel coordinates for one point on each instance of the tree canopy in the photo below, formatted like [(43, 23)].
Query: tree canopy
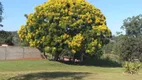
[(133, 25), (5, 38), (131, 45), (1, 11), (59, 24), (128, 46)]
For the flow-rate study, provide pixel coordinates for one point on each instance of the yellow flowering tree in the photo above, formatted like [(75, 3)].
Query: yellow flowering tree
[(59, 24)]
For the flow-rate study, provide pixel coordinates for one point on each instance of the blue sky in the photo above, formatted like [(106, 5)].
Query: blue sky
[(114, 10)]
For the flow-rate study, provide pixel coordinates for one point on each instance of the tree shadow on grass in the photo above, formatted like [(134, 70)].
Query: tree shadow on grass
[(95, 62), (102, 63), (51, 76)]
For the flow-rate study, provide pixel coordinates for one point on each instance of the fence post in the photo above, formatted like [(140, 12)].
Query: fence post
[(5, 52)]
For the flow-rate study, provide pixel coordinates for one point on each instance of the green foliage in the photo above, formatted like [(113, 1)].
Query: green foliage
[(131, 49), (6, 37), (111, 57), (15, 38), (132, 67), (66, 53), (113, 48), (131, 46), (11, 38), (73, 24), (1, 11), (128, 48), (133, 26)]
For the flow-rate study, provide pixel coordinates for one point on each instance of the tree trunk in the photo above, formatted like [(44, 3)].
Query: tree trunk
[(70, 59), (44, 55), (73, 58), (82, 52), (82, 55), (56, 57)]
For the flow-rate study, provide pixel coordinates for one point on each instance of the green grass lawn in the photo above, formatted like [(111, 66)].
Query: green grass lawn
[(49, 70)]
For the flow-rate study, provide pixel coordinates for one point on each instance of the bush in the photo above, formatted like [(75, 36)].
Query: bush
[(132, 67), (112, 57)]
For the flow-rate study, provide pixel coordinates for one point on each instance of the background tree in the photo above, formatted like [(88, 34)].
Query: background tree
[(6, 38), (133, 26), (131, 49), (1, 11), (15, 39), (132, 41), (60, 24)]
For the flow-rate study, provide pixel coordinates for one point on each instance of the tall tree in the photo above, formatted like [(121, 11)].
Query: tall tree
[(131, 46), (60, 24), (133, 26), (1, 11)]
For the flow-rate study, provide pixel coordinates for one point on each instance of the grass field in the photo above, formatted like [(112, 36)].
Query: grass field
[(49, 70)]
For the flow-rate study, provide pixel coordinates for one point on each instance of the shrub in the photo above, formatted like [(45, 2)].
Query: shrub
[(132, 67)]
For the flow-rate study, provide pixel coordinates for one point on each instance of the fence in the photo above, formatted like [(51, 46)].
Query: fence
[(16, 53)]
